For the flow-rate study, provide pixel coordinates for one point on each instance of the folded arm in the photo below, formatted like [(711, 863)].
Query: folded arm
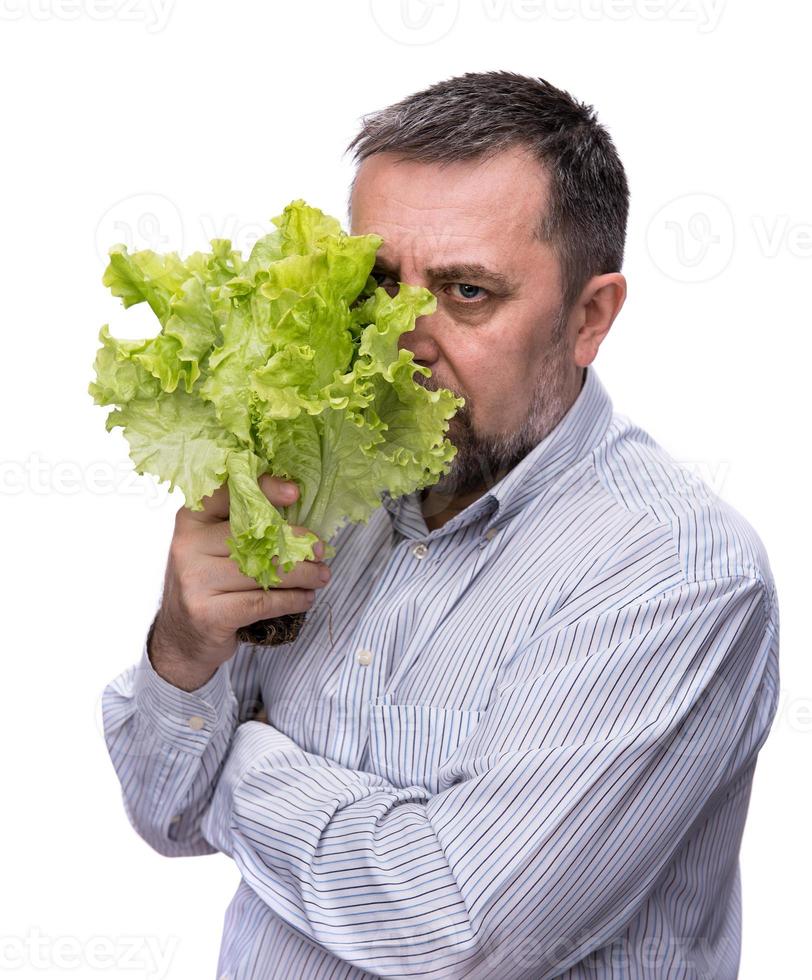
[(556, 815)]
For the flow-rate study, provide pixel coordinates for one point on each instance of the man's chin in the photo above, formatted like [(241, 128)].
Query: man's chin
[(447, 486), (443, 487)]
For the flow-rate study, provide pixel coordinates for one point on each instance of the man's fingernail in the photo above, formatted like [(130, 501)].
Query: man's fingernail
[(318, 549), (289, 489)]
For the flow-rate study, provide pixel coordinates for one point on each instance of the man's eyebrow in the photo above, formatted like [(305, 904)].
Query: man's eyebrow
[(462, 272), (457, 272)]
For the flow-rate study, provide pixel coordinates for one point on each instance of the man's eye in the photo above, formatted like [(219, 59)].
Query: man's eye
[(380, 277), (469, 292)]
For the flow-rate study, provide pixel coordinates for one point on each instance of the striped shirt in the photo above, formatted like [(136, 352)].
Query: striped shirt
[(520, 745)]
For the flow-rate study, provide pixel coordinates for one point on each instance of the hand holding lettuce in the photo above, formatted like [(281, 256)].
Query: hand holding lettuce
[(286, 362), (207, 599)]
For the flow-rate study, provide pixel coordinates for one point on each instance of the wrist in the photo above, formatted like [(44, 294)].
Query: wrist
[(172, 663)]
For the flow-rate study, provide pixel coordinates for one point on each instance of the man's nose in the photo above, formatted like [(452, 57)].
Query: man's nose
[(421, 341)]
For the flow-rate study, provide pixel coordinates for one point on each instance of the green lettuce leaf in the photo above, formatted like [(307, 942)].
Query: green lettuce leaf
[(286, 362)]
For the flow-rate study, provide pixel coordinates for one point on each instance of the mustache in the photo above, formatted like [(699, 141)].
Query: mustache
[(433, 384), (462, 416)]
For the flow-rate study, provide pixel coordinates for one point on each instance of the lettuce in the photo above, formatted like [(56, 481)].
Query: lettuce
[(286, 362)]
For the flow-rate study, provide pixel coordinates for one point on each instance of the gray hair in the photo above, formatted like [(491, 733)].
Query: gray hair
[(479, 114)]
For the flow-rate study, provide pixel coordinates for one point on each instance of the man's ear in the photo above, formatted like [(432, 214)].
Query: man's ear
[(595, 310)]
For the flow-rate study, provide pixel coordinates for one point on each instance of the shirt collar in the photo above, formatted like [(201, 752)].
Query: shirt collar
[(577, 433)]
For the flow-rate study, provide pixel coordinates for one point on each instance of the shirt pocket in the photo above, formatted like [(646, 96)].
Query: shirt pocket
[(409, 743)]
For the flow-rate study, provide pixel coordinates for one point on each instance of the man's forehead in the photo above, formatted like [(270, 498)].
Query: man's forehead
[(434, 219), (472, 199), (427, 246)]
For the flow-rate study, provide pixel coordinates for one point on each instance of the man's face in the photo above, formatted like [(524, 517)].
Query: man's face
[(465, 231)]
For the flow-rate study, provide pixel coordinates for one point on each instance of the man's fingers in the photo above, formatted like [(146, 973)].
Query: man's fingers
[(241, 608), (280, 492), (223, 575), (215, 508), (213, 538)]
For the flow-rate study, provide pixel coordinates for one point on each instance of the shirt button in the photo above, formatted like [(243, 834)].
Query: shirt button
[(420, 550), (487, 536), (364, 657), (196, 722)]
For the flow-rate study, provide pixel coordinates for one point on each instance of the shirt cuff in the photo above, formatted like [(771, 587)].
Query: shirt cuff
[(187, 719)]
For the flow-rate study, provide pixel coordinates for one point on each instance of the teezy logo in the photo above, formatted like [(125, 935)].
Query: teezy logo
[(691, 238), (140, 221), (415, 21)]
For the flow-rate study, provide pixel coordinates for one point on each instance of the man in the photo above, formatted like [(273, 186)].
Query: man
[(517, 734)]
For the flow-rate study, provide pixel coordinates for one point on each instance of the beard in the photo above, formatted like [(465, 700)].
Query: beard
[(482, 459)]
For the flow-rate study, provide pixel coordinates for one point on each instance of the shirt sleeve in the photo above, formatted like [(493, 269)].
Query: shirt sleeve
[(605, 741), (167, 745)]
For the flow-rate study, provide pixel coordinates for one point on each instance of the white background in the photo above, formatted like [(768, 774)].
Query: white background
[(164, 124)]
